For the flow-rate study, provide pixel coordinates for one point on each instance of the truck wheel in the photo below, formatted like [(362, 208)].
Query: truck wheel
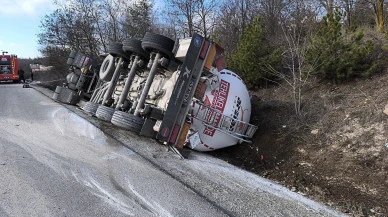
[(156, 42), (56, 93), (128, 121), (116, 50), (107, 68), (134, 46), (91, 107), (70, 59), (105, 113)]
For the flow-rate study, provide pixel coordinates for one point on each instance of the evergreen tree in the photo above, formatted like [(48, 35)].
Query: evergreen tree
[(253, 57), (339, 55)]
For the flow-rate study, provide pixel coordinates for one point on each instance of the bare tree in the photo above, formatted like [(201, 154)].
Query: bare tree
[(191, 16), (233, 18), (113, 16), (297, 24), (182, 12), (165, 26), (206, 13), (363, 14), (271, 11), (297, 71), (302, 16), (349, 7), (91, 25), (328, 5), (138, 19), (83, 25), (378, 7)]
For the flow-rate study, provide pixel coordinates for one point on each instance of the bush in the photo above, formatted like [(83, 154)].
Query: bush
[(253, 57), (338, 55)]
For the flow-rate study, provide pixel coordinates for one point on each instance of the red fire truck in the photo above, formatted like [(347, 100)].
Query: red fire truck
[(9, 67)]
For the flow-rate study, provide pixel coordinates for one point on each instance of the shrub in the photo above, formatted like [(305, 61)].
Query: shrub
[(338, 55), (253, 57)]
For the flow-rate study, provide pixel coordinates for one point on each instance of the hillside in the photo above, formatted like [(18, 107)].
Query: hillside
[(336, 153)]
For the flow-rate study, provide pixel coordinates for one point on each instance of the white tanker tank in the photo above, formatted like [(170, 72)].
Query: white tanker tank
[(221, 118)]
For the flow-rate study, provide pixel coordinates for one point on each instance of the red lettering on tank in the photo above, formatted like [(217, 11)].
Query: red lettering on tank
[(208, 131), (224, 88), (220, 104), (213, 117)]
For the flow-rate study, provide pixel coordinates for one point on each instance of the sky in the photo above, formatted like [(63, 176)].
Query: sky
[(20, 21)]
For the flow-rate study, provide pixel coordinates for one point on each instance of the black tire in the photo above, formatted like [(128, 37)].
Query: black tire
[(133, 46), (155, 42), (56, 93), (105, 113), (128, 121), (107, 68), (55, 96), (72, 78), (91, 108), (116, 49)]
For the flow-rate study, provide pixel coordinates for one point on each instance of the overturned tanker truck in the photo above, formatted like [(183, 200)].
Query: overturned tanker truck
[(178, 92)]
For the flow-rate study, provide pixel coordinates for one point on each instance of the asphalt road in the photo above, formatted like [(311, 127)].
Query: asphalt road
[(57, 161)]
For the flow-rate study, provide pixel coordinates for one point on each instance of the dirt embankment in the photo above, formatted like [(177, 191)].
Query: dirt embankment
[(336, 153)]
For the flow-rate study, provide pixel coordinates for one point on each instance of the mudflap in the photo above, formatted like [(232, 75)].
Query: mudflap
[(182, 140), (185, 152), (147, 129)]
